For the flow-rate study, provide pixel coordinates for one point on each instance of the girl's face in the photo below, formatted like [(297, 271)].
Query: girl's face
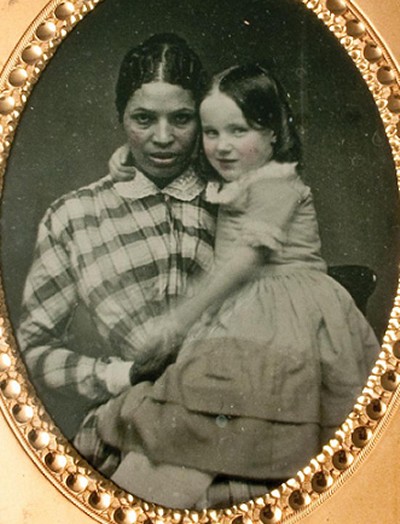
[(161, 124), (231, 145)]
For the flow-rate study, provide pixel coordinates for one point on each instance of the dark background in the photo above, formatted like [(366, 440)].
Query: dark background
[(70, 129)]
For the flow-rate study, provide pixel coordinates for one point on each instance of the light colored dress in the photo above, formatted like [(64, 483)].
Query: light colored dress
[(260, 380)]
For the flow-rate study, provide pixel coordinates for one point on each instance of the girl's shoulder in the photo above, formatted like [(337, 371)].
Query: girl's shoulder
[(272, 179), (278, 178)]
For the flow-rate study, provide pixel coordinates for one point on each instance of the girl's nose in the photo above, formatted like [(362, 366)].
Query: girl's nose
[(224, 145), (163, 134)]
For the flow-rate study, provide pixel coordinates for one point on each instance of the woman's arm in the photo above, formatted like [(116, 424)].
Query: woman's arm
[(50, 298)]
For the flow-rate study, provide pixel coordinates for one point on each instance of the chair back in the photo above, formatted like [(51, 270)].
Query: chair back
[(360, 282)]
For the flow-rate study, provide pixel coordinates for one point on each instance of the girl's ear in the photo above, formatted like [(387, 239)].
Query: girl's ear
[(273, 138)]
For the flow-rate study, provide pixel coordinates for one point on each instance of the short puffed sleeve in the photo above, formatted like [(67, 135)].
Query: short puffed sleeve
[(271, 205)]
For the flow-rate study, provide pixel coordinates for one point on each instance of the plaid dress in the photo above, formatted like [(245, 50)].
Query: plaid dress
[(109, 256)]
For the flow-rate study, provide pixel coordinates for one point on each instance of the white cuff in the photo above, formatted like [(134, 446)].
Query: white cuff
[(117, 376)]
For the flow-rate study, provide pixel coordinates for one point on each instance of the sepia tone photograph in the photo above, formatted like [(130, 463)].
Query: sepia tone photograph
[(199, 286)]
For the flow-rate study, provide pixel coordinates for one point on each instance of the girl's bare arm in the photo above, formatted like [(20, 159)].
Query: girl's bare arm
[(214, 288)]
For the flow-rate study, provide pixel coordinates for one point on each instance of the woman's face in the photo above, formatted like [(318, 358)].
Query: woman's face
[(231, 145), (161, 124)]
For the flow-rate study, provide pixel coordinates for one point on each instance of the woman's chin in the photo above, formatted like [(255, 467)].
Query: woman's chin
[(164, 168)]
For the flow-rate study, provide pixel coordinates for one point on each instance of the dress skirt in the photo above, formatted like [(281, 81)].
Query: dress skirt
[(260, 383)]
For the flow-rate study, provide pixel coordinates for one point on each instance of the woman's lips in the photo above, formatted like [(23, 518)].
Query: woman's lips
[(163, 158)]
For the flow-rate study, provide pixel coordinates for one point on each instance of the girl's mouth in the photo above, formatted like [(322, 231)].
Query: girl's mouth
[(226, 162)]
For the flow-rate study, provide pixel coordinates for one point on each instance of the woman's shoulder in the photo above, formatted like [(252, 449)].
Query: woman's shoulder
[(83, 195), (68, 212), (87, 195)]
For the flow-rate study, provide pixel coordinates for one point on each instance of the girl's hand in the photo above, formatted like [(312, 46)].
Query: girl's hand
[(159, 351)]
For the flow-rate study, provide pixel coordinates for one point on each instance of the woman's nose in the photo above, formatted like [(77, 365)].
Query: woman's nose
[(163, 134)]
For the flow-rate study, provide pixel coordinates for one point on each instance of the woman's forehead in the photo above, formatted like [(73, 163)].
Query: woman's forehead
[(161, 97)]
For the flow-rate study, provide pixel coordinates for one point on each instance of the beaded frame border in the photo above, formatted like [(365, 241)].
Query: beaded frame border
[(24, 412)]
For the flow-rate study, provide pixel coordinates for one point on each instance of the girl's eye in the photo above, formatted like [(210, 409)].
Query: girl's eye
[(210, 133), (239, 131)]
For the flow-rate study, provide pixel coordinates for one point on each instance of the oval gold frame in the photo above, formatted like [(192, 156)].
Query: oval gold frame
[(51, 452)]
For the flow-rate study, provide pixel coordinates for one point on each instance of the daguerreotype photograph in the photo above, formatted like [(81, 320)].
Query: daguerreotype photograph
[(200, 243)]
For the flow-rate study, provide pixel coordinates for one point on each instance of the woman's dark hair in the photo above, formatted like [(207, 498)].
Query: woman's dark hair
[(264, 104), (163, 57)]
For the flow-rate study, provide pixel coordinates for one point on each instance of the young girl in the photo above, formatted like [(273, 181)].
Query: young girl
[(275, 351)]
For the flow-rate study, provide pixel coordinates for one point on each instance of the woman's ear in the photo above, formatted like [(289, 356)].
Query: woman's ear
[(273, 138)]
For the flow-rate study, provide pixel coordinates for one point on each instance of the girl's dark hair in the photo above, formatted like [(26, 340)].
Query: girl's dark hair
[(163, 57), (264, 104)]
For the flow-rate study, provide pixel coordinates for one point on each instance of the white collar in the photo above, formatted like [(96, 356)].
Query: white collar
[(131, 183)]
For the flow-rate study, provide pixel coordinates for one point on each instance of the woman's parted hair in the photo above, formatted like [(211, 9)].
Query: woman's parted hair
[(163, 57), (264, 104)]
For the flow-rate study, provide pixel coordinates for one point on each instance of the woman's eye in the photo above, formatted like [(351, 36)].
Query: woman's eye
[(182, 119), (142, 119)]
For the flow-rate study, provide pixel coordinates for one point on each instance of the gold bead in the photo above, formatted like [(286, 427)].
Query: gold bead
[(77, 482), (394, 103), (342, 459), (396, 345), (100, 500), (56, 462), (372, 52), (32, 54), (238, 520), (7, 104), (18, 77), (11, 388), (39, 439), (22, 413), (64, 10), (390, 379), (46, 31), (376, 409), (270, 515), (355, 28), (337, 7), (321, 481), (125, 516), (385, 75), (298, 499), (361, 436), (5, 360)]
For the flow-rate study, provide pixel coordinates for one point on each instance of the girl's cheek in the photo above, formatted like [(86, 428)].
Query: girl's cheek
[(207, 147), (248, 150)]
